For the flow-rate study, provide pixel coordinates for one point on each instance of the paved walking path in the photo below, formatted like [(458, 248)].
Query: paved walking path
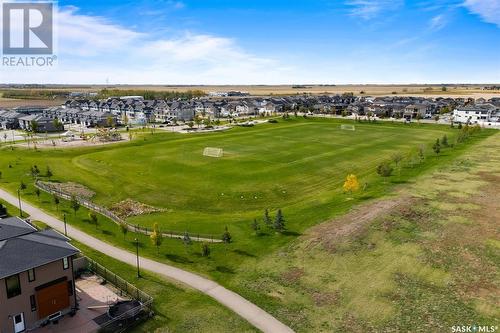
[(249, 311)]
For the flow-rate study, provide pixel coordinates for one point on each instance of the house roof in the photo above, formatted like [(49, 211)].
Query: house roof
[(22, 247)]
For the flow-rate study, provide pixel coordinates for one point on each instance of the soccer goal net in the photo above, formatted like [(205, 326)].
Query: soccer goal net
[(347, 127), (213, 152)]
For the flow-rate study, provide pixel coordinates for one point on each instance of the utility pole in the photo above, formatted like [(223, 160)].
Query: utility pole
[(19, 199), (65, 229), (137, 255)]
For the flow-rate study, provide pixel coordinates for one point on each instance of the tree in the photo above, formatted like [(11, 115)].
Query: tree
[(351, 184), (421, 153), (267, 218), (49, 173), (22, 186), (0, 174), (385, 169), (186, 239), (74, 204), (444, 141), (197, 120), (279, 221), (124, 229), (3, 210), (397, 157), (92, 218), (156, 238), (34, 126), (256, 226), (226, 236), (436, 147), (34, 171), (205, 250), (56, 202), (37, 193)]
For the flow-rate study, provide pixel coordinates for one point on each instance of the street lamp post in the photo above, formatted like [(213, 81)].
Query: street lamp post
[(137, 256), (19, 199), (65, 229)]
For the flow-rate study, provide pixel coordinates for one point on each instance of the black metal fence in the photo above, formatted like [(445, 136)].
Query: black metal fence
[(134, 315), (198, 237)]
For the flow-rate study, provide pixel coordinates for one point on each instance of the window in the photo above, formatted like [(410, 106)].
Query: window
[(31, 275), (70, 288), (65, 263), (13, 286), (33, 303)]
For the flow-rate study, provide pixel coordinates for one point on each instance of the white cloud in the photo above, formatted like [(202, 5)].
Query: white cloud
[(84, 35), (488, 10), (176, 4), (437, 22), (93, 49), (368, 9)]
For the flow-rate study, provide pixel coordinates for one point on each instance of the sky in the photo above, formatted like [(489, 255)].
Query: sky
[(272, 42)]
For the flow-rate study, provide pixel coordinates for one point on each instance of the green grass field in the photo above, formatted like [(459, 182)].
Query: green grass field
[(297, 165)]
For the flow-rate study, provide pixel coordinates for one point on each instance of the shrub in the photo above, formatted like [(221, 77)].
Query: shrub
[(385, 169)]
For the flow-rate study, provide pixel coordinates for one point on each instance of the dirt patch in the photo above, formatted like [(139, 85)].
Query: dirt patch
[(71, 188), (333, 232), (292, 275), (129, 207), (324, 298)]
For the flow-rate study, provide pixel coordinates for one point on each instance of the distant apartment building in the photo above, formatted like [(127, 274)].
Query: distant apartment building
[(36, 276)]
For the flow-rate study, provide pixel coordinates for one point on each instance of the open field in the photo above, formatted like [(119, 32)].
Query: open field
[(425, 259), (297, 165), (177, 308), (7, 103), (430, 90)]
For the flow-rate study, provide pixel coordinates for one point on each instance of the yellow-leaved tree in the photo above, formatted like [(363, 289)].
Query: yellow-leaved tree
[(156, 237), (351, 184)]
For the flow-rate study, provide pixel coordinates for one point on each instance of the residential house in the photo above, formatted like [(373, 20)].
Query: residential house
[(9, 119), (476, 114), (36, 276), (38, 123)]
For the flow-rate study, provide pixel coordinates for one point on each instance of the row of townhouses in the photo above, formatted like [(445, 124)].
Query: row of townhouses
[(135, 110)]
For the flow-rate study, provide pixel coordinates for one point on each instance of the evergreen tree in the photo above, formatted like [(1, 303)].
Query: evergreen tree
[(37, 193), (444, 141), (279, 222), (226, 236), (267, 219), (436, 147), (186, 239), (256, 226)]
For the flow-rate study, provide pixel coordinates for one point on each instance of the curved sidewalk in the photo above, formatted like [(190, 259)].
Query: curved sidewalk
[(249, 311)]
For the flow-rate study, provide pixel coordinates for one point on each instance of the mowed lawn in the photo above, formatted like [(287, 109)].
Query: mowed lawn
[(297, 165)]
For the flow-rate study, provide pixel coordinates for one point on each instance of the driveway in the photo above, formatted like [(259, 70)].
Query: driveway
[(247, 310)]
